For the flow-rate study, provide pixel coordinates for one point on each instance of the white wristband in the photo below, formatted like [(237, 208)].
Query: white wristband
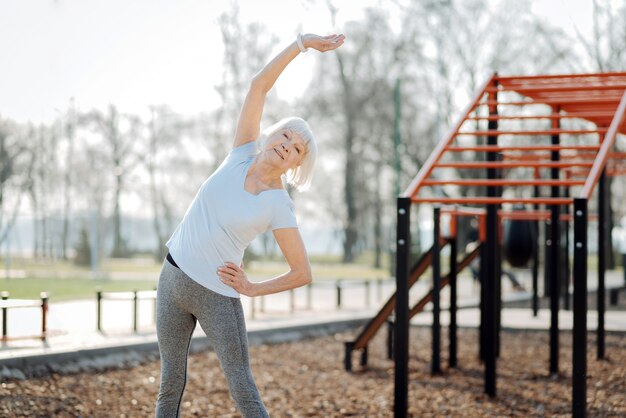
[(300, 44)]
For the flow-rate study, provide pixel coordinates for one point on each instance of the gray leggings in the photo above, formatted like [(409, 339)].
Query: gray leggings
[(180, 302)]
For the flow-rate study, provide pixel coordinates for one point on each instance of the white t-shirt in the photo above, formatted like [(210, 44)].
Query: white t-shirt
[(224, 218)]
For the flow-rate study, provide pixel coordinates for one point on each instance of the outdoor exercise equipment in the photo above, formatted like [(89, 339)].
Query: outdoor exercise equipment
[(549, 131)]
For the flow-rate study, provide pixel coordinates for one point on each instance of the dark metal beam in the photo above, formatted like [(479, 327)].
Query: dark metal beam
[(401, 328), (565, 252), (452, 347), (554, 248), (579, 342), (602, 244), (436, 270), (491, 268), (535, 262)]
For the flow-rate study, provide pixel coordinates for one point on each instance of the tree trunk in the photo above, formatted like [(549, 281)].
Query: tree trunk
[(350, 229), (378, 227), (159, 252), (350, 226), (118, 244), (67, 184), (118, 155), (45, 253), (36, 233)]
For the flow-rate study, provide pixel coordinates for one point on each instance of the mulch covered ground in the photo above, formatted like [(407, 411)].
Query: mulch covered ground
[(306, 379)]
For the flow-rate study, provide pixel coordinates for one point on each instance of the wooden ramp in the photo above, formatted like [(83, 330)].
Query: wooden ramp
[(428, 297), (374, 325)]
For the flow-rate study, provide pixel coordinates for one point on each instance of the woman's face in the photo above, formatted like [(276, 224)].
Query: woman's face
[(286, 149)]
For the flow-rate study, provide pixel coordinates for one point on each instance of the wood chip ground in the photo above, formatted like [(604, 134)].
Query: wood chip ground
[(307, 379)]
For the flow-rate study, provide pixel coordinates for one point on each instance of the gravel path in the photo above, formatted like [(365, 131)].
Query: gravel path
[(306, 379)]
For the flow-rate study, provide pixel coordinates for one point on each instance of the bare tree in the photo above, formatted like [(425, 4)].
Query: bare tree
[(606, 49), (68, 175), (453, 46), (16, 166), (93, 186), (464, 43), (165, 128), (246, 50), (120, 135), (358, 98), (33, 188), (43, 189)]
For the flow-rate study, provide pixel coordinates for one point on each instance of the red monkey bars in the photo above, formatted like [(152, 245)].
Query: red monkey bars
[(554, 131)]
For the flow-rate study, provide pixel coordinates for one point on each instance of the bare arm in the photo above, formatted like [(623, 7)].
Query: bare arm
[(299, 273), (248, 126)]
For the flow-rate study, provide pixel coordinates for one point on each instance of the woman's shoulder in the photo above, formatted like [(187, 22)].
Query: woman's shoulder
[(249, 149), (241, 156)]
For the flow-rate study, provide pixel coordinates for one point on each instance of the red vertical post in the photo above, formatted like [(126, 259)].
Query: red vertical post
[(44, 315)]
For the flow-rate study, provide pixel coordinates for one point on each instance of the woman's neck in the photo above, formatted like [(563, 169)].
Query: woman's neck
[(263, 174)]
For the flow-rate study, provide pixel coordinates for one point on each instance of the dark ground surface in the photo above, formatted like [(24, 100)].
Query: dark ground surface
[(306, 379)]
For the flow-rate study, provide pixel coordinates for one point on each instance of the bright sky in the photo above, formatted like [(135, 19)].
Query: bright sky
[(143, 52)]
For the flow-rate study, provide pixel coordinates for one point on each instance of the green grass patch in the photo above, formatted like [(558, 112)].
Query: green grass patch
[(69, 289), (332, 271), (65, 281), (134, 265)]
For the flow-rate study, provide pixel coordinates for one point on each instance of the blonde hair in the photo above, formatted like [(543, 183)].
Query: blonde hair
[(301, 176)]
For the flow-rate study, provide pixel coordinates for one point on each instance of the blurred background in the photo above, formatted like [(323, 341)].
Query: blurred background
[(113, 113)]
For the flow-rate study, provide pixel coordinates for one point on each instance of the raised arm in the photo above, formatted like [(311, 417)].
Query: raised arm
[(249, 124)]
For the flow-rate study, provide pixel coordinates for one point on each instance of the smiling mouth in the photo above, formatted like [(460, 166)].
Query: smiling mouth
[(279, 154)]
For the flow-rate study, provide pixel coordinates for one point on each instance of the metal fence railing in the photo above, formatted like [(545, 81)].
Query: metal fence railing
[(337, 287), (134, 297), (6, 304), (328, 294)]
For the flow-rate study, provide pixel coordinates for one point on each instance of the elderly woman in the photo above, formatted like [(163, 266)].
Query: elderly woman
[(202, 278)]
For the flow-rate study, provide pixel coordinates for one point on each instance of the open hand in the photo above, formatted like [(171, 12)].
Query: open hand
[(322, 43), (234, 276)]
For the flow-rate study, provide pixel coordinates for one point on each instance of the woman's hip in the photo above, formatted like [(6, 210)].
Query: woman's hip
[(176, 286)]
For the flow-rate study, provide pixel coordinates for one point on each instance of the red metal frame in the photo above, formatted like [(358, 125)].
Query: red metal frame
[(494, 200), (580, 115), (531, 215), (596, 98), (542, 132), (515, 164), (503, 182), (556, 101), (427, 168), (605, 148), (497, 148)]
